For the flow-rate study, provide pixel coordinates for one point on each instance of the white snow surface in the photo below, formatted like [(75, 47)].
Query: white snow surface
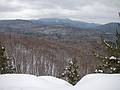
[(31, 82), (99, 82), (113, 58)]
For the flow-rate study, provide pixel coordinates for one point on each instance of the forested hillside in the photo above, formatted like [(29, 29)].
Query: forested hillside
[(44, 49)]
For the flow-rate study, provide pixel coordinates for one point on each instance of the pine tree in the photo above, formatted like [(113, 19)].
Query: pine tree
[(111, 62), (71, 72), (6, 64)]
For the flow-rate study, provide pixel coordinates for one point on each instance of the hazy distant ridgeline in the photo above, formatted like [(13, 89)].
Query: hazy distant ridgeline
[(57, 26)]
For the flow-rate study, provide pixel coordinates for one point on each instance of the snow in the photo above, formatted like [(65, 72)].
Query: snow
[(54, 81), (3, 47), (31, 82), (99, 82), (99, 71), (113, 58)]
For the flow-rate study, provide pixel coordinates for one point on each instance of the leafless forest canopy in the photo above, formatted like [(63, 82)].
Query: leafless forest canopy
[(46, 50)]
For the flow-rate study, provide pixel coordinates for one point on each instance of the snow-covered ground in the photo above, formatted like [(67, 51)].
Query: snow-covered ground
[(99, 82), (31, 82)]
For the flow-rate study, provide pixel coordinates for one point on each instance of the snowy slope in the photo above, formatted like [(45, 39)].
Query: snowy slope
[(31, 82), (55, 81), (99, 82)]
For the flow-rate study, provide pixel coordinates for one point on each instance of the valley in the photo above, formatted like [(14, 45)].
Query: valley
[(44, 46)]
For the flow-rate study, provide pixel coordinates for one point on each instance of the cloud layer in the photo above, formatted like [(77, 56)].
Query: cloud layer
[(100, 11)]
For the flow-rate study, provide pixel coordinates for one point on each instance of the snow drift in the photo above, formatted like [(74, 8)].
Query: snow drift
[(31, 82), (99, 82)]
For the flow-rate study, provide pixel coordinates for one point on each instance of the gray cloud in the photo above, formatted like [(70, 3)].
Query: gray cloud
[(100, 11), (6, 6)]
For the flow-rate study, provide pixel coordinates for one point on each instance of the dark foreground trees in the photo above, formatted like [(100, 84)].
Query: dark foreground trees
[(6, 64), (71, 72), (111, 62)]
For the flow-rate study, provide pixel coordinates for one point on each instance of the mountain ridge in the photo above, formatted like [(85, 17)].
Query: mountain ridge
[(63, 22)]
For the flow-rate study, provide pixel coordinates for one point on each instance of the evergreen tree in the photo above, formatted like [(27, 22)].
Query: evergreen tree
[(111, 62), (71, 72), (6, 64)]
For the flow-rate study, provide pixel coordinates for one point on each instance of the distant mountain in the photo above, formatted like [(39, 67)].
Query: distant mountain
[(16, 23), (108, 28), (56, 23), (65, 22)]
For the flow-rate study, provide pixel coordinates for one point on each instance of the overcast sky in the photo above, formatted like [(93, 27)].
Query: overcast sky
[(97, 11)]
